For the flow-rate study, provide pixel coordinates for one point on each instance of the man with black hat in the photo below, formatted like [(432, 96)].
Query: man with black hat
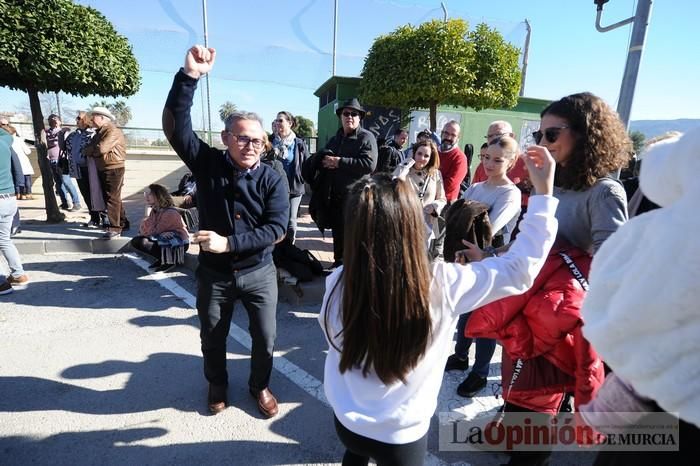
[(354, 154)]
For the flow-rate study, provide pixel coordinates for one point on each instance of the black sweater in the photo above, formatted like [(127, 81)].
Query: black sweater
[(251, 210)]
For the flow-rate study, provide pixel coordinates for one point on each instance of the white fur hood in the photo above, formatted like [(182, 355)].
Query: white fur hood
[(642, 312)]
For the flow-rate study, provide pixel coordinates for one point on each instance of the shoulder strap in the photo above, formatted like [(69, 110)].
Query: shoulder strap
[(517, 368), (578, 275)]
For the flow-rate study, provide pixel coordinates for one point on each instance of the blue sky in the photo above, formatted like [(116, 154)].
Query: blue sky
[(272, 54)]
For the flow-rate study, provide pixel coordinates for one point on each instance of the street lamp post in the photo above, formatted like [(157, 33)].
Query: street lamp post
[(634, 54), (335, 32)]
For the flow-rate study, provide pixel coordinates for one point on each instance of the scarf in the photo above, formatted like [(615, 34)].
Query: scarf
[(281, 145)]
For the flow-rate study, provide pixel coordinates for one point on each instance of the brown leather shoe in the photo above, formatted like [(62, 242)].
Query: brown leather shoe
[(217, 398), (267, 403)]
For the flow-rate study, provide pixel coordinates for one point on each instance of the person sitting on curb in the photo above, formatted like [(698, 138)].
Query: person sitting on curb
[(163, 233)]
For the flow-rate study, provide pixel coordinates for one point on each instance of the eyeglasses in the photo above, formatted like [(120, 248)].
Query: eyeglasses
[(351, 114), (243, 141), (552, 134)]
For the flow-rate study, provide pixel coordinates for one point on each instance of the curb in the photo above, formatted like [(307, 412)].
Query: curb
[(71, 246)]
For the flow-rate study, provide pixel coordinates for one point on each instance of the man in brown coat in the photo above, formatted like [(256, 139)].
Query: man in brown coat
[(108, 147)]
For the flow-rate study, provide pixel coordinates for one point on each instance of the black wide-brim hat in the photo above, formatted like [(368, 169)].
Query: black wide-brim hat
[(353, 104)]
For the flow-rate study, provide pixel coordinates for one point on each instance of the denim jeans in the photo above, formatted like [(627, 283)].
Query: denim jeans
[(216, 295), (8, 208), (64, 186), (294, 203), (485, 347), (68, 188)]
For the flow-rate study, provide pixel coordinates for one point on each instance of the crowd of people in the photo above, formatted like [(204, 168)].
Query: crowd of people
[(545, 285)]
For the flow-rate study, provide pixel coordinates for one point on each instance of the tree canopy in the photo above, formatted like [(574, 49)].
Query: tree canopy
[(58, 46), (441, 62), (638, 140), (119, 108), (226, 109), (55, 45), (305, 127)]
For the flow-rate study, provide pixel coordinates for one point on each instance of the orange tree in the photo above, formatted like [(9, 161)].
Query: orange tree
[(58, 46), (441, 62)]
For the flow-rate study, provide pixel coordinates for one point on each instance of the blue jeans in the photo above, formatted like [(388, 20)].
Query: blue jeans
[(294, 203), (64, 186), (485, 347), (216, 295), (68, 188), (8, 208)]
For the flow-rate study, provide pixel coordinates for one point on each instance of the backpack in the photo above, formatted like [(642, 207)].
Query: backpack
[(388, 159), (301, 263)]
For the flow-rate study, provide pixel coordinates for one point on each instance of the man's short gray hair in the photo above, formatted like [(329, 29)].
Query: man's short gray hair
[(504, 125), (242, 115)]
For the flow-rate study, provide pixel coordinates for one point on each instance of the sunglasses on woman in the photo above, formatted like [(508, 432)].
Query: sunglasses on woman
[(552, 134)]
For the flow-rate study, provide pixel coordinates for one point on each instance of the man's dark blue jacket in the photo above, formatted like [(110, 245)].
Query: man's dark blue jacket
[(251, 210)]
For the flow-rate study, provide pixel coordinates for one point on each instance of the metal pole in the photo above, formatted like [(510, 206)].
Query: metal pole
[(525, 54), (634, 58), (335, 32), (206, 44), (58, 107), (444, 11)]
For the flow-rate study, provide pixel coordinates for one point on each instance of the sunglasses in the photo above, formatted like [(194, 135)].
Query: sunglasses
[(552, 134), (351, 114)]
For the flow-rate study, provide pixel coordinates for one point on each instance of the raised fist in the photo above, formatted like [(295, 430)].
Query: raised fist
[(199, 60)]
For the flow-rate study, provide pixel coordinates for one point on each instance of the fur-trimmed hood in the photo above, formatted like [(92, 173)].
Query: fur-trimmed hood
[(642, 312)]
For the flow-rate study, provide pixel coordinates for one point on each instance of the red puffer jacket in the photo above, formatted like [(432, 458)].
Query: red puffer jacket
[(543, 327)]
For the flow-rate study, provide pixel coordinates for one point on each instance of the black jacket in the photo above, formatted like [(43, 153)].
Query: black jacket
[(296, 182), (251, 210), (358, 157)]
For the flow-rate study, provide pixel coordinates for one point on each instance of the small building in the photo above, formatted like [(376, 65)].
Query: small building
[(525, 116)]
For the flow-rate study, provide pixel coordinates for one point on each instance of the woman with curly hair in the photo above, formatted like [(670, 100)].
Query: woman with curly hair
[(589, 142)]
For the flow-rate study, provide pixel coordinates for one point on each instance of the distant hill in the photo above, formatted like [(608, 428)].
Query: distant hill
[(651, 128)]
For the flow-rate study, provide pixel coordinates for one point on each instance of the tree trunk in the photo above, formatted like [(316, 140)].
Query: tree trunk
[(53, 215), (433, 117)]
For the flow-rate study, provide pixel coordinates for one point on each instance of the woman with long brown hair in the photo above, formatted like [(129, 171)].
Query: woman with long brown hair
[(388, 314), (425, 178)]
